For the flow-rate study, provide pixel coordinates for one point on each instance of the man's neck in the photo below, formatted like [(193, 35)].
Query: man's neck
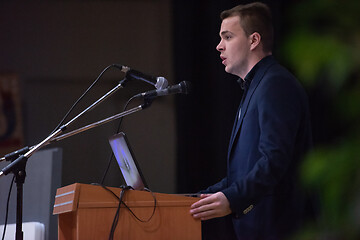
[(254, 60)]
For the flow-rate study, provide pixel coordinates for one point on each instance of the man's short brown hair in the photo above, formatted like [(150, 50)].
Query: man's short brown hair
[(254, 17)]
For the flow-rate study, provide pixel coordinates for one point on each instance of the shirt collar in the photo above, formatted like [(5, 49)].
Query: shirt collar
[(245, 83)]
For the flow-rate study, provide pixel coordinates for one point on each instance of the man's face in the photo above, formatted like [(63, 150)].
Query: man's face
[(234, 47)]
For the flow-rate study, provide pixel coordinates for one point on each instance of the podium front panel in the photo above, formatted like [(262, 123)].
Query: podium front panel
[(91, 217)]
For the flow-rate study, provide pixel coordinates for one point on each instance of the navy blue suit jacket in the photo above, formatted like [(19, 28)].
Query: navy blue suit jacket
[(268, 141)]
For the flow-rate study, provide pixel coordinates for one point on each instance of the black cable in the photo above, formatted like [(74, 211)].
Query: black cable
[(117, 214), (111, 156), (14, 155), (116, 217), (153, 213), (7, 207), (83, 95), (128, 208), (57, 127)]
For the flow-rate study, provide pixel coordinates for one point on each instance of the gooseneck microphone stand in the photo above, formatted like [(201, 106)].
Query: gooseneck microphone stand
[(18, 166)]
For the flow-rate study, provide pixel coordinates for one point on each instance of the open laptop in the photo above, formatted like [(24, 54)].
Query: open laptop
[(128, 165)]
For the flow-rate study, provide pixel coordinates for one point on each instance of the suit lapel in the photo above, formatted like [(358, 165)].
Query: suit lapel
[(253, 85), (235, 126)]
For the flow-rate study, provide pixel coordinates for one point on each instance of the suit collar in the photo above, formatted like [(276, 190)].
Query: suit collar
[(244, 83), (254, 77)]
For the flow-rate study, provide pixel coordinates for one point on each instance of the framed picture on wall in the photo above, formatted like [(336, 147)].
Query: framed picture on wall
[(11, 128)]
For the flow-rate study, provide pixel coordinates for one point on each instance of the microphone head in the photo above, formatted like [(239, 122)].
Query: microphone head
[(161, 83), (186, 87)]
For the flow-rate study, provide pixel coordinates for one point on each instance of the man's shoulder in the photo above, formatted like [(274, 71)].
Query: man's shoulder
[(276, 72)]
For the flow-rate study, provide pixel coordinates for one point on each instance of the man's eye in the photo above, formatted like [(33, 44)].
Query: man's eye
[(227, 37)]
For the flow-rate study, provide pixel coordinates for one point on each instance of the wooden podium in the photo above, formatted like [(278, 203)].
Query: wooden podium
[(87, 212)]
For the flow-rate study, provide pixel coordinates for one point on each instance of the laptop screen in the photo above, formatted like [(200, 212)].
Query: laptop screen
[(128, 165)]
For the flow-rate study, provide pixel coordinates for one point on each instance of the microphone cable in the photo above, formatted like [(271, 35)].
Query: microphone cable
[(117, 214), (111, 156), (84, 94), (121, 68), (59, 125), (7, 207), (120, 198)]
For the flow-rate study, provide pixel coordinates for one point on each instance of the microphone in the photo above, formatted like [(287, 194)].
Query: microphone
[(158, 82), (182, 87)]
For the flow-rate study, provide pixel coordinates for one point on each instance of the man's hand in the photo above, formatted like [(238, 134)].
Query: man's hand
[(211, 206)]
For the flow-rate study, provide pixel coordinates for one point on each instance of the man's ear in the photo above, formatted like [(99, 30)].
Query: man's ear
[(254, 39)]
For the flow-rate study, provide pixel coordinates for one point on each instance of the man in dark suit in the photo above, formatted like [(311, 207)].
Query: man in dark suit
[(271, 133)]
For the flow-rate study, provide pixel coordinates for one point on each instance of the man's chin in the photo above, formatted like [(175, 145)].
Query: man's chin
[(227, 69)]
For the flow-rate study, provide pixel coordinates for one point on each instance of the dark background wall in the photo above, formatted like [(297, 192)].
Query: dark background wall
[(58, 48)]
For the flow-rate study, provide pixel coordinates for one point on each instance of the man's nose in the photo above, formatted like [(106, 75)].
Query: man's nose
[(220, 47)]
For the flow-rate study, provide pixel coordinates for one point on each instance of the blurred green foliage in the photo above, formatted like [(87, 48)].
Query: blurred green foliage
[(323, 49)]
